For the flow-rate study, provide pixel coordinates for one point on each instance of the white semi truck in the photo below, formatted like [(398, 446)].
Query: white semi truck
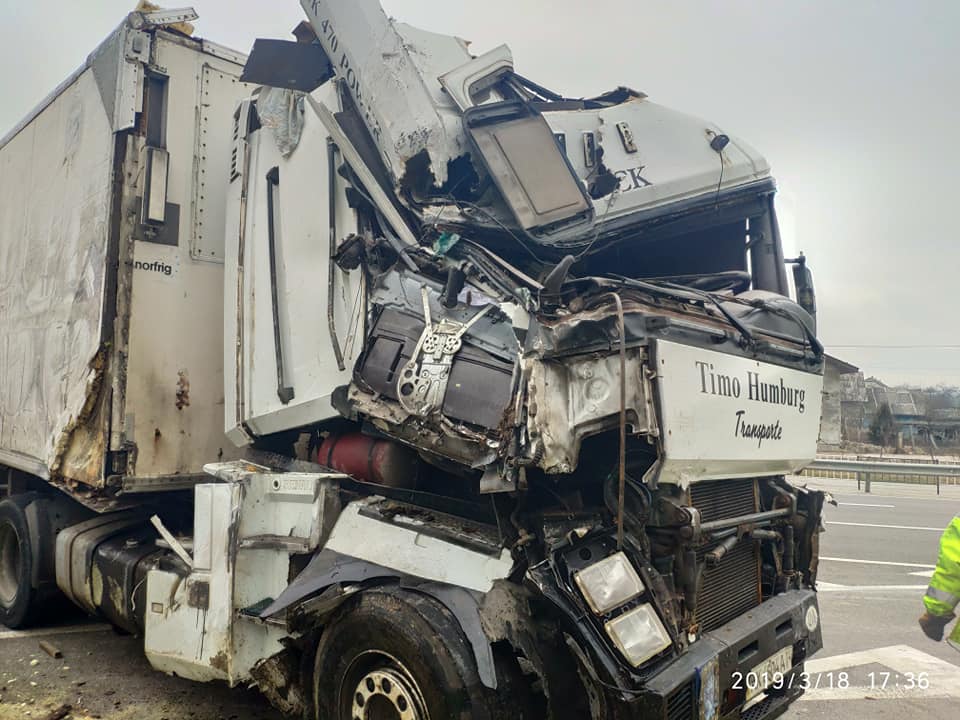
[(371, 372)]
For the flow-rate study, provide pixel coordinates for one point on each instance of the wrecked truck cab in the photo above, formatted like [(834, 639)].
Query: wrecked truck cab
[(519, 373), (552, 339)]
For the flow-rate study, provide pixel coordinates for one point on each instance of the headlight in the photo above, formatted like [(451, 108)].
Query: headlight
[(638, 634), (609, 583), (710, 690)]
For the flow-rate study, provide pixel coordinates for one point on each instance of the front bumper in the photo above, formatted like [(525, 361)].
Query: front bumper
[(739, 646)]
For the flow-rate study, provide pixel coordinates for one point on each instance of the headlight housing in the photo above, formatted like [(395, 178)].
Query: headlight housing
[(609, 583), (638, 634)]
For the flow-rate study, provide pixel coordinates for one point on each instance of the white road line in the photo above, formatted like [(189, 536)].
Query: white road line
[(922, 573), (41, 632), (829, 587), (846, 504), (879, 562), (887, 527), (881, 496), (825, 586), (944, 677)]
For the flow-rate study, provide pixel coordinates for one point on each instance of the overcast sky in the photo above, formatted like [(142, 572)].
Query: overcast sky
[(854, 104)]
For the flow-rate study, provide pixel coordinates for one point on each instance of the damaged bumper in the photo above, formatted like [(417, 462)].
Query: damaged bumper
[(783, 624)]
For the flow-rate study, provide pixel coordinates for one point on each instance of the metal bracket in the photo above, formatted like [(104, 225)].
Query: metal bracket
[(162, 18), (163, 483), (137, 47), (422, 383), (626, 137)]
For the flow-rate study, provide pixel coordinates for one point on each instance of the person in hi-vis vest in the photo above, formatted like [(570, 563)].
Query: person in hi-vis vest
[(944, 591)]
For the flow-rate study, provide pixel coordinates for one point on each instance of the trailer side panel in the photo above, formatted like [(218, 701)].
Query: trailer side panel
[(55, 200)]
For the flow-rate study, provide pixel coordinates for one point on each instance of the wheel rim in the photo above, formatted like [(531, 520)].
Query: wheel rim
[(10, 564), (388, 691)]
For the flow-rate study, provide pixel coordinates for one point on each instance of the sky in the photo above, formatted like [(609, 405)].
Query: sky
[(853, 103)]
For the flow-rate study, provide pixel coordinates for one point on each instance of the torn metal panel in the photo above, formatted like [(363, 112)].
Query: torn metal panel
[(55, 204), (179, 19), (289, 65), (245, 531), (125, 222), (415, 548), (472, 83), (573, 399), (391, 70)]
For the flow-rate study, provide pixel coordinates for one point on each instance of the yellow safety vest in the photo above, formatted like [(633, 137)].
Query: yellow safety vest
[(943, 595)]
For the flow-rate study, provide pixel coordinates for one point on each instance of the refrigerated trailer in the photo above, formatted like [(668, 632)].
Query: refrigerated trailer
[(112, 212), (373, 373)]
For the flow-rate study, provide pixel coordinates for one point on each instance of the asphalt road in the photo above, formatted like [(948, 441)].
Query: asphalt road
[(878, 552), (876, 559)]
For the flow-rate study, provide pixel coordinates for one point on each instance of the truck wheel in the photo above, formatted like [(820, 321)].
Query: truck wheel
[(17, 558), (397, 655)]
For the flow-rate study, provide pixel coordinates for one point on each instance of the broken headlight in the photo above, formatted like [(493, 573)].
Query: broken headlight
[(638, 634), (609, 583)]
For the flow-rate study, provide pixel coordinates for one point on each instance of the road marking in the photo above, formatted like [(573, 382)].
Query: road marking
[(879, 562), (887, 527), (923, 573), (883, 495), (846, 504), (944, 677), (41, 632), (830, 587)]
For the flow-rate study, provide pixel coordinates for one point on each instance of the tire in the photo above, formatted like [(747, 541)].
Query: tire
[(18, 597), (401, 655)]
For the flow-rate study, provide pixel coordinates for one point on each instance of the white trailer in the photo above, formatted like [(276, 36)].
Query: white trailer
[(112, 211), (382, 377)]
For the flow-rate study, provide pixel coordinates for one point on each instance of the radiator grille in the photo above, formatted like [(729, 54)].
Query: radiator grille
[(732, 587), (719, 499), (680, 704)]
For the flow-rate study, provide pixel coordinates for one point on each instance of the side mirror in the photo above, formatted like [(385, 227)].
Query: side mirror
[(803, 281)]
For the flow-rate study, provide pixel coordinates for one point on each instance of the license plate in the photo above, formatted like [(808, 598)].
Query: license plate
[(770, 671)]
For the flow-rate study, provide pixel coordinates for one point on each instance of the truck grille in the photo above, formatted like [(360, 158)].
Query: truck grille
[(721, 499), (680, 704), (732, 587)]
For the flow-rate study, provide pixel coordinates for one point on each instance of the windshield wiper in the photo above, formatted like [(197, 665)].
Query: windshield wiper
[(746, 336), (811, 336), (684, 292)]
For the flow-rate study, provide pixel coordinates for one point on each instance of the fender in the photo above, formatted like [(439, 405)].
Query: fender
[(330, 568)]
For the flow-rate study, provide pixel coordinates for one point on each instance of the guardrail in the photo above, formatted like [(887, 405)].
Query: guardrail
[(867, 471), (918, 459)]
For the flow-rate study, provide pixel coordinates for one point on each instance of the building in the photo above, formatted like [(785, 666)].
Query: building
[(943, 427), (831, 418), (855, 425)]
